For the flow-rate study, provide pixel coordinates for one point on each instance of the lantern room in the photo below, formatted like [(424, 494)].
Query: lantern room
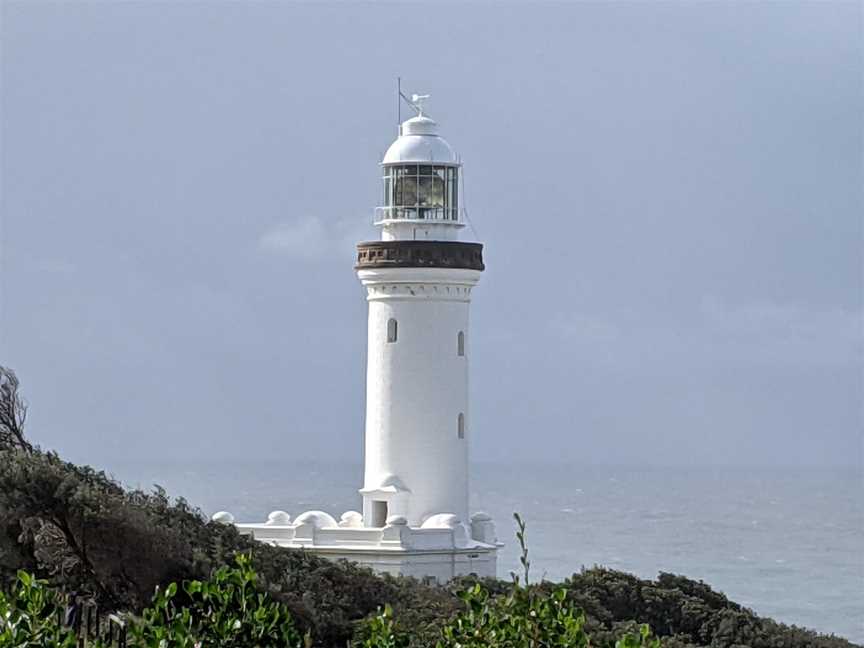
[(420, 176)]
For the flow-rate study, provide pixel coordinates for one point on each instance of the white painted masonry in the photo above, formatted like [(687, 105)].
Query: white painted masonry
[(416, 388)]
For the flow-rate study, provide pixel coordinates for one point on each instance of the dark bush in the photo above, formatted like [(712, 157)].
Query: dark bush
[(686, 612), (81, 530)]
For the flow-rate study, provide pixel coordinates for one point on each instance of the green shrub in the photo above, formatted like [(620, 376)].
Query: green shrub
[(79, 528), (84, 531), (525, 616), (228, 610), (225, 611), (380, 631), (30, 616)]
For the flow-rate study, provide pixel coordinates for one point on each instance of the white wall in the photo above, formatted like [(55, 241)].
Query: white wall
[(440, 566), (417, 387)]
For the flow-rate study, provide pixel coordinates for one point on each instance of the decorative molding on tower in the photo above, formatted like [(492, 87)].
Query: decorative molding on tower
[(419, 254)]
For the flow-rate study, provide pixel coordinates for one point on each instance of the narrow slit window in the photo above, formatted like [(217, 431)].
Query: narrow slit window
[(392, 330), (460, 426), (460, 343)]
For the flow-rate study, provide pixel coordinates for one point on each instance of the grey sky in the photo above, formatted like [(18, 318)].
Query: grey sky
[(670, 196)]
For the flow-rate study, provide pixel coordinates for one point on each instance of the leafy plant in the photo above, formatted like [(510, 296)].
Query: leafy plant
[(85, 532), (523, 545), (641, 640), (228, 610), (380, 632), (30, 616), (525, 616)]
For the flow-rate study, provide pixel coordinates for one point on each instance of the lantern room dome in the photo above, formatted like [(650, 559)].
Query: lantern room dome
[(420, 142)]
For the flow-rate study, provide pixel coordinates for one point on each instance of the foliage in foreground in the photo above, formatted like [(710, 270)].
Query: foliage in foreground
[(526, 616), (81, 531), (226, 610), (523, 616), (29, 616)]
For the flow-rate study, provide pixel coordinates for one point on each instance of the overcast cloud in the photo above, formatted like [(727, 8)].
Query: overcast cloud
[(670, 196)]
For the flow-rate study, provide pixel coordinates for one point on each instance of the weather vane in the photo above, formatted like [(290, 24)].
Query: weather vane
[(417, 101)]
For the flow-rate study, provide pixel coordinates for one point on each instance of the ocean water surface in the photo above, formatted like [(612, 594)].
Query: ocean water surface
[(788, 544)]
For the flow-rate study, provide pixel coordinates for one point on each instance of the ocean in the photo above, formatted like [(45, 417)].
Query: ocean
[(788, 544)]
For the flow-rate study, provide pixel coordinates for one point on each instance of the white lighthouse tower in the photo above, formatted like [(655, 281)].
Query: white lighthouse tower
[(419, 278)]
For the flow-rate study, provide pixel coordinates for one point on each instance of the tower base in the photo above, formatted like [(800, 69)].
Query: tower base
[(439, 550)]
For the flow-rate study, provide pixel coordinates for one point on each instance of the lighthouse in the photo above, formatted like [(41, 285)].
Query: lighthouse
[(418, 277)]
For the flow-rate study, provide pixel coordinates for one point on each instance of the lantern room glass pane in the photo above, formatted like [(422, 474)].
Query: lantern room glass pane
[(432, 192), (452, 193), (408, 188), (388, 192), (438, 192), (425, 191), (397, 192)]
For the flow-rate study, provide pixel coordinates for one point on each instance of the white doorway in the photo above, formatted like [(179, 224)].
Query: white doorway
[(379, 513)]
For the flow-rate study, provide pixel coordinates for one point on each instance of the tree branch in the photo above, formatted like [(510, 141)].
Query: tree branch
[(13, 413)]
